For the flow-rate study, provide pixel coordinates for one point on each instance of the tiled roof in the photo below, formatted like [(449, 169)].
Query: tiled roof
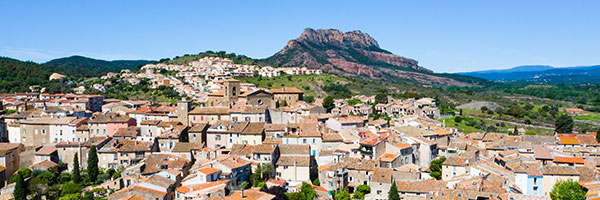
[(455, 161), (286, 90), (382, 175), (301, 149), (241, 150), (127, 132), (251, 194), (332, 137), (254, 128), (46, 150), (541, 153), (210, 110), (293, 160), (388, 157), (157, 162), (573, 160), (198, 127), (559, 170), (263, 148), (209, 170), (421, 186), (234, 162)]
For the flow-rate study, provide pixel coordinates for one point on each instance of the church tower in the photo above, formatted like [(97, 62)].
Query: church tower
[(232, 91), (183, 109)]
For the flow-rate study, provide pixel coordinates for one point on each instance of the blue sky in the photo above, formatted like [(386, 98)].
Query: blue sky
[(446, 36)]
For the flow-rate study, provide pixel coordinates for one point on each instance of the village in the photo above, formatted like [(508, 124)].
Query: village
[(234, 140)]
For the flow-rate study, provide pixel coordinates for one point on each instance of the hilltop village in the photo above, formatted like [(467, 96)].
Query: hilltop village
[(233, 140)]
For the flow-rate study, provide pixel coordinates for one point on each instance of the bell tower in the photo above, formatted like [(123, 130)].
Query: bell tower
[(232, 90), (183, 109)]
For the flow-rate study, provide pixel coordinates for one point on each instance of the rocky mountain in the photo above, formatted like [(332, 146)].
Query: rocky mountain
[(353, 54)]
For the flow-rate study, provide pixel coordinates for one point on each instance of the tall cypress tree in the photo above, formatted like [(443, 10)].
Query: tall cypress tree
[(20, 188), (92, 164), (393, 193), (75, 174)]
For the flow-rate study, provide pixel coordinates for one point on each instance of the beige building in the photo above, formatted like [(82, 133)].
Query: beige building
[(288, 94)]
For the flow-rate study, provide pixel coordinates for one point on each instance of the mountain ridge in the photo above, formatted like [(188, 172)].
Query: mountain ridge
[(550, 74), (354, 53), (73, 65)]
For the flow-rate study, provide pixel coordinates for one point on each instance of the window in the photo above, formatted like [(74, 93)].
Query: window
[(350, 178), (247, 118), (304, 141), (194, 136), (218, 137)]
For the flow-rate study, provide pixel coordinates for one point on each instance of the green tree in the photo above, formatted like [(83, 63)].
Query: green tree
[(514, 132), (365, 189), (564, 190), (20, 187), (307, 191), (393, 193), (563, 124), (75, 174), (342, 195), (353, 102), (328, 103), (284, 103), (92, 162), (317, 182), (309, 99), (358, 195), (277, 104), (484, 109), (436, 167), (381, 98)]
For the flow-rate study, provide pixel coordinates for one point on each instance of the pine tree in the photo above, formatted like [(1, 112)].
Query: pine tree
[(92, 164), (20, 188), (393, 193), (75, 174)]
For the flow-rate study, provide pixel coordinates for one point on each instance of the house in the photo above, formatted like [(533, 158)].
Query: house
[(9, 157), (236, 168), (287, 94), (197, 133), (574, 111), (214, 189), (454, 166), (294, 163)]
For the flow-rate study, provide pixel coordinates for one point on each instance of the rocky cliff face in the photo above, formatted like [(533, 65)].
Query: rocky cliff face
[(352, 53)]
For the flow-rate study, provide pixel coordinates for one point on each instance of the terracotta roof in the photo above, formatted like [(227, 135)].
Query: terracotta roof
[(251, 194), (208, 185), (301, 149), (241, 150), (254, 128), (388, 157), (332, 137), (209, 170), (286, 90), (46, 150), (559, 170), (293, 160), (574, 160), (541, 153), (234, 162), (133, 131), (421, 186), (382, 175), (263, 148), (275, 127), (455, 161), (45, 163), (210, 110), (157, 162), (198, 127), (149, 122)]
